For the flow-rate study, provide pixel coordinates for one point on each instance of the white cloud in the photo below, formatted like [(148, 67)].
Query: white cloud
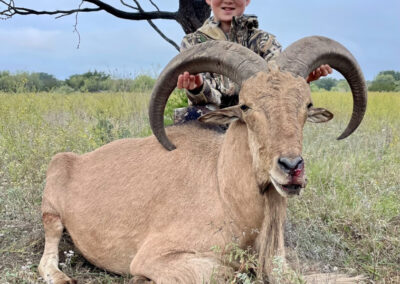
[(30, 38)]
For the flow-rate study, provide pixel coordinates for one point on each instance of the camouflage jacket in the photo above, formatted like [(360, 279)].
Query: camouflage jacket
[(217, 90)]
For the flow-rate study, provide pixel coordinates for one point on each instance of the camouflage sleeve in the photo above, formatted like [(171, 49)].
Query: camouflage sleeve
[(208, 93), (265, 45)]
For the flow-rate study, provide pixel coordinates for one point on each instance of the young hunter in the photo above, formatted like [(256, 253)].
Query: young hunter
[(208, 91)]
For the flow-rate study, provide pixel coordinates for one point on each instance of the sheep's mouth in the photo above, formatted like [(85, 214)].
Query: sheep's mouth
[(290, 189)]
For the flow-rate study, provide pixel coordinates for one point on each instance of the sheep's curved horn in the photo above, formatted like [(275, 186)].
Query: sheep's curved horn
[(306, 54), (229, 59)]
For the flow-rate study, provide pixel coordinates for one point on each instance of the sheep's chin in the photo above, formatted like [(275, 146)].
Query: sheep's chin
[(286, 190)]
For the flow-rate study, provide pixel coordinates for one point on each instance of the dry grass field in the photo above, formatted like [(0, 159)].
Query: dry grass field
[(347, 220)]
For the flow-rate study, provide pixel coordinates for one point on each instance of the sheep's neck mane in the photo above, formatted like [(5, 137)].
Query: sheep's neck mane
[(270, 241), (243, 201)]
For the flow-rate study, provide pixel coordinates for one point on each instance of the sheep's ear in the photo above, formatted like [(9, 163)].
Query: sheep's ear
[(222, 116), (318, 115)]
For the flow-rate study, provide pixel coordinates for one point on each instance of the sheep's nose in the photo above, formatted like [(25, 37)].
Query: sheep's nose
[(289, 165)]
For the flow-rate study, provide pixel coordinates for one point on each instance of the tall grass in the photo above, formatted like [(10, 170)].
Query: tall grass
[(349, 215), (347, 218), (34, 127)]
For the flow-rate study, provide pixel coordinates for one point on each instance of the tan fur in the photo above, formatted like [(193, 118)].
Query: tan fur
[(48, 266), (133, 207), (270, 245)]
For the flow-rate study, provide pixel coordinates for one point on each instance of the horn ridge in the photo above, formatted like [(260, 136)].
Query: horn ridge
[(305, 55), (226, 58)]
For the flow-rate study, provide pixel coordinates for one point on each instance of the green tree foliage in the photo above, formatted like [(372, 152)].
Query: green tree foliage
[(396, 75), (177, 99), (383, 83), (143, 82), (44, 82), (325, 83), (99, 81), (27, 82), (397, 89), (341, 86), (87, 82)]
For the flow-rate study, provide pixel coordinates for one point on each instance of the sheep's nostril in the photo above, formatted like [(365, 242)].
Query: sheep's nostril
[(290, 165)]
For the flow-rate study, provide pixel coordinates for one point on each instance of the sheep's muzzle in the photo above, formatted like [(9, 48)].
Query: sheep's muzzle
[(288, 176)]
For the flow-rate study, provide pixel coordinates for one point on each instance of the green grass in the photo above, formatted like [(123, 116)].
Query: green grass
[(348, 217), (34, 127)]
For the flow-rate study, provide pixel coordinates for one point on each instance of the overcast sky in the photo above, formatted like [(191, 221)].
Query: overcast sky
[(370, 29)]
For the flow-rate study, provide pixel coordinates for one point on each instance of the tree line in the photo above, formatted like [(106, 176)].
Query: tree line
[(88, 82), (385, 81)]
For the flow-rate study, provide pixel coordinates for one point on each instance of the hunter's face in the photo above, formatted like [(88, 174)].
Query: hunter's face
[(224, 10)]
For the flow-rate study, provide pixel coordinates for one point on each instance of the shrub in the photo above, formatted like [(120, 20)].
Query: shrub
[(383, 83), (177, 99), (64, 89), (143, 83)]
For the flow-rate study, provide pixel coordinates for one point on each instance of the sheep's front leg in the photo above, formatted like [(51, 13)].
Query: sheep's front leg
[(48, 267)]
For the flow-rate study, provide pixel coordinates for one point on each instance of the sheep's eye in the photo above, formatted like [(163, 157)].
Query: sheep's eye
[(244, 107), (310, 105)]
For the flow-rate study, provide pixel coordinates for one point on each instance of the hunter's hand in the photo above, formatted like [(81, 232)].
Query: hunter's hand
[(188, 81), (323, 70)]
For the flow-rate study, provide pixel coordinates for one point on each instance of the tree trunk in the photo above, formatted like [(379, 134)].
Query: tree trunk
[(192, 14)]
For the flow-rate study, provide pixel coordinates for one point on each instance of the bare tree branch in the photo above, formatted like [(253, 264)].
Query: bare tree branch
[(130, 6), (190, 15), (76, 27), (12, 10), (155, 6), (156, 28), (133, 16)]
